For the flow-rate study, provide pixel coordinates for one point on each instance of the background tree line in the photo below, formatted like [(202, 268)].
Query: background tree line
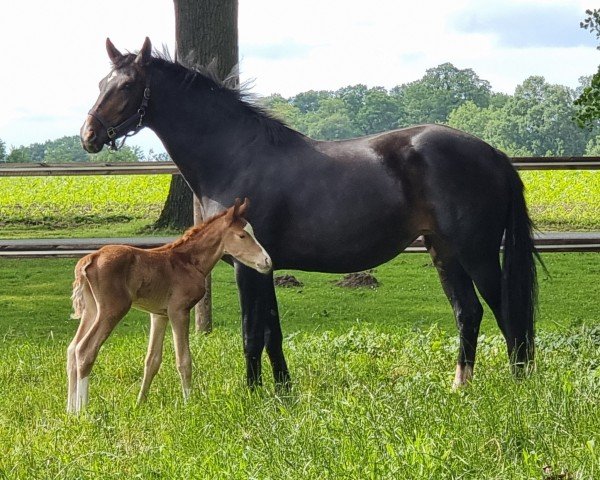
[(68, 149), (537, 120)]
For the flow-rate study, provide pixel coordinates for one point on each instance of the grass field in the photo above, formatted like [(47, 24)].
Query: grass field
[(371, 399), (120, 206)]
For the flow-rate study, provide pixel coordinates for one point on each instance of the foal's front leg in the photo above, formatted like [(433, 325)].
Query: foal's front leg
[(180, 323), (158, 325)]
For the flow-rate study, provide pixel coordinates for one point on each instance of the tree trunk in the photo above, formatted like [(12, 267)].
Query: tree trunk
[(177, 212), (206, 30)]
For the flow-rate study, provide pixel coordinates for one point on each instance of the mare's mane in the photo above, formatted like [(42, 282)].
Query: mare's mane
[(203, 77)]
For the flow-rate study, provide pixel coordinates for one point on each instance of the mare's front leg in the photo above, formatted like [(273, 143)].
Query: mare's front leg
[(260, 325)]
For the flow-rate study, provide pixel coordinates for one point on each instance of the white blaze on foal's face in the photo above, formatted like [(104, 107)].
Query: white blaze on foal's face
[(250, 252), (248, 229)]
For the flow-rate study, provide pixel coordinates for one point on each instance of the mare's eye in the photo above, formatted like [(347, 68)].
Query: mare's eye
[(127, 86)]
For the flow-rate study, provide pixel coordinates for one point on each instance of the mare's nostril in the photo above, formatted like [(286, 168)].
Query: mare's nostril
[(90, 136)]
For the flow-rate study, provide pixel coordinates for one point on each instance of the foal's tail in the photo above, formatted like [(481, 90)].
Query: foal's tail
[(79, 285), (519, 278)]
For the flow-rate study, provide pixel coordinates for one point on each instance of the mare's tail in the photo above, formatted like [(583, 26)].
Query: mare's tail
[(79, 284), (519, 279)]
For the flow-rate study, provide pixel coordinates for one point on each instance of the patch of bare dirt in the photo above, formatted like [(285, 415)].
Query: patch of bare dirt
[(358, 280), (287, 281)]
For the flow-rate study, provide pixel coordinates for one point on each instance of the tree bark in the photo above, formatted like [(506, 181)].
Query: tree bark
[(177, 212), (206, 30)]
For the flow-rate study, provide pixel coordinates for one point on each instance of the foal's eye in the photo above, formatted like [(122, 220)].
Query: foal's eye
[(242, 235)]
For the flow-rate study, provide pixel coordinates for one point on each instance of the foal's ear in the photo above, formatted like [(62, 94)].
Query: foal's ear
[(234, 211), (244, 208), (143, 58), (113, 53)]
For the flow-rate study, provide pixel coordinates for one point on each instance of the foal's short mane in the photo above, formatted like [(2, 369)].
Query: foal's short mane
[(277, 131), (193, 232)]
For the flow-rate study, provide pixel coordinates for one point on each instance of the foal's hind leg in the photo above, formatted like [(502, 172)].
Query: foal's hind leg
[(86, 321), (468, 311), (88, 347), (158, 325)]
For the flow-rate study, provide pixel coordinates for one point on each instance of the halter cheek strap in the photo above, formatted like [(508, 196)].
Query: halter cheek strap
[(129, 126)]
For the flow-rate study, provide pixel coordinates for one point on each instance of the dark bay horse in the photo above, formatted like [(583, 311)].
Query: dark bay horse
[(340, 206)]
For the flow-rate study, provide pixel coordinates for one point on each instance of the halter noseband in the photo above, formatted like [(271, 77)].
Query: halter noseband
[(127, 128)]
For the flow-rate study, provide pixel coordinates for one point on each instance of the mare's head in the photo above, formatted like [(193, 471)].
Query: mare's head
[(239, 240), (121, 104)]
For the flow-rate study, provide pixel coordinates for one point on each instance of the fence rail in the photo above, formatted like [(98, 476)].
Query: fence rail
[(77, 247), (152, 168), (555, 242)]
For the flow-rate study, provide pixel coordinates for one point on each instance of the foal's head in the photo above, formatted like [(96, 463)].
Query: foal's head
[(239, 240)]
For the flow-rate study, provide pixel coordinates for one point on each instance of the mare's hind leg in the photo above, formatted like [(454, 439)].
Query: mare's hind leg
[(158, 325), (486, 273), (468, 311)]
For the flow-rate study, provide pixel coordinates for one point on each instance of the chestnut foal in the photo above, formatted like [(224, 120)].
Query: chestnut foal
[(166, 282)]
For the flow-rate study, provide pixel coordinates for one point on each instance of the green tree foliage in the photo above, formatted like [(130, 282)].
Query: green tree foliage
[(68, 149), (310, 101), (439, 92), (65, 149), (331, 121), (379, 112), (536, 120), (471, 118), (587, 112), (2, 151)]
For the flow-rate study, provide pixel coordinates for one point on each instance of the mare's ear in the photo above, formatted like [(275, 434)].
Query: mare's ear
[(143, 58), (113, 53), (244, 208)]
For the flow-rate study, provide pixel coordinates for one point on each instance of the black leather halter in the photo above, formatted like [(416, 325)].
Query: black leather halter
[(128, 127)]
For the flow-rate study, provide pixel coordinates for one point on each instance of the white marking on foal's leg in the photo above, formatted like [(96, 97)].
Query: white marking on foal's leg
[(82, 393), (186, 394), (464, 374)]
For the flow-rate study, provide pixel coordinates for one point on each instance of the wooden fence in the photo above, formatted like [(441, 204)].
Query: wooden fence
[(203, 316), (151, 168)]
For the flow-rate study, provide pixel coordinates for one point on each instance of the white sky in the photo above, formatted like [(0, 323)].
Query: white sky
[(53, 54)]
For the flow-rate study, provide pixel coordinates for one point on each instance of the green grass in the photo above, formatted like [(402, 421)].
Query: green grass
[(563, 199), (51, 206), (371, 398), (121, 206)]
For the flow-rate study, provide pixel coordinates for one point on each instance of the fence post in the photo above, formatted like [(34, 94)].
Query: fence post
[(203, 310)]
